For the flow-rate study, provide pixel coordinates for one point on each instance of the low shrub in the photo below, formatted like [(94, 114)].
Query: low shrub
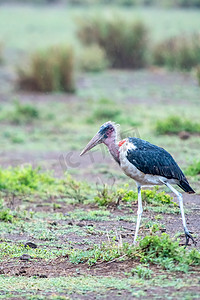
[(181, 52), (176, 124), (187, 3), (159, 250), (49, 70), (5, 213), (163, 251), (93, 59), (124, 42), (25, 180), (153, 197)]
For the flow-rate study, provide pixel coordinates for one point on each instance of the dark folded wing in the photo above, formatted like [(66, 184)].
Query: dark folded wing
[(151, 159)]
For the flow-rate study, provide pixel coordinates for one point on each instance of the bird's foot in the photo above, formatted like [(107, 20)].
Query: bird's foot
[(188, 237)]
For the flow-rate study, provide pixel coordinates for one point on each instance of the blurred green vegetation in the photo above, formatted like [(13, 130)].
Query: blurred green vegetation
[(176, 124), (93, 59), (164, 3), (125, 42), (49, 70), (193, 169), (181, 52)]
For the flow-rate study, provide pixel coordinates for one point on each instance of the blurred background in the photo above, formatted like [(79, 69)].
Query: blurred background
[(68, 66)]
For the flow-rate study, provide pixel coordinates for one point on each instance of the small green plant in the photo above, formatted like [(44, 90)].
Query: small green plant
[(27, 180), (193, 169), (153, 197), (5, 215), (75, 190), (22, 113), (142, 272), (182, 52), (105, 196), (93, 59), (24, 179), (49, 70), (167, 253), (176, 124), (125, 42)]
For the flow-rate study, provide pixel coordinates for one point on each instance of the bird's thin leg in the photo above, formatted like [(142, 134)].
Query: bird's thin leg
[(180, 198), (139, 213)]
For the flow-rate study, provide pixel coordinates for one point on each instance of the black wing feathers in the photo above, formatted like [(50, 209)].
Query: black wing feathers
[(151, 159)]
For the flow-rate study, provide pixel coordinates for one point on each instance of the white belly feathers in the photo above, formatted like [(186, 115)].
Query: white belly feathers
[(131, 171)]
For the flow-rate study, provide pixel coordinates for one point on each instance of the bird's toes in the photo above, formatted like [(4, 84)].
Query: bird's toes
[(188, 237)]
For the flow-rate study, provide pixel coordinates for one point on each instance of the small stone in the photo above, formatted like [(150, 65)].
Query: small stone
[(184, 135), (80, 224), (25, 257), (53, 223), (43, 276), (31, 245)]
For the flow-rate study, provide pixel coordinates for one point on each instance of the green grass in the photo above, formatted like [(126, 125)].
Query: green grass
[(176, 124), (142, 272), (56, 287), (20, 114), (74, 234), (135, 119), (50, 70), (193, 169), (152, 249)]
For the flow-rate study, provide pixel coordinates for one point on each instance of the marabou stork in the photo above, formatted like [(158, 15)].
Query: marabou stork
[(144, 162)]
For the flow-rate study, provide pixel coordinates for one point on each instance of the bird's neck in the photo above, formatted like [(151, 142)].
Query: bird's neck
[(113, 147)]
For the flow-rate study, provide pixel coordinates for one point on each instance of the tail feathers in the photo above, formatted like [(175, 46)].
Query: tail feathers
[(186, 187)]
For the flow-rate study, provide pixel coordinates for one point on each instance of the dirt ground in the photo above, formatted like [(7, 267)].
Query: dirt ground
[(56, 161)]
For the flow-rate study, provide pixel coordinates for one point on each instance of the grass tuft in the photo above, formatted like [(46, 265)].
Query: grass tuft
[(49, 70), (181, 52), (142, 272), (125, 42), (176, 124)]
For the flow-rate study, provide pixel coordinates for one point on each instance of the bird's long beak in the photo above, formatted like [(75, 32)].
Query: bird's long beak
[(97, 139)]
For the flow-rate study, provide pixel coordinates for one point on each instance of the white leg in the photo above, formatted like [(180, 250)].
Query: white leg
[(180, 198), (139, 213)]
